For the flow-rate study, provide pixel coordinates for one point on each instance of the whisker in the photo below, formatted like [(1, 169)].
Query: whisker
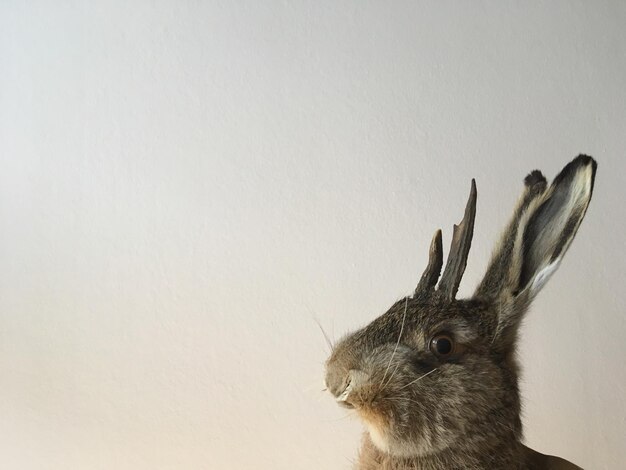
[(328, 341), (497, 332), (393, 374), (406, 304), (400, 399), (349, 415), (419, 378)]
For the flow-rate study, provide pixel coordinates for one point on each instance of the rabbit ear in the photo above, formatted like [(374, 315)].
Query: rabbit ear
[(540, 232)]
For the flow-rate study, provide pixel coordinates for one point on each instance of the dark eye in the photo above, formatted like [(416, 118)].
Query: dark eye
[(442, 345)]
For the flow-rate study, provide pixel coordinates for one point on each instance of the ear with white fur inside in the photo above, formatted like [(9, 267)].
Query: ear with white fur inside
[(549, 225), (533, 245)]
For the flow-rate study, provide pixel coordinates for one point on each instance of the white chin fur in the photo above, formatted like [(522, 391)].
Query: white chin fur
[(402, 448), (379, 439)]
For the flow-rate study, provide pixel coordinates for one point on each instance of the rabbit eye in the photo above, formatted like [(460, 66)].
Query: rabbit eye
[(442, 345)]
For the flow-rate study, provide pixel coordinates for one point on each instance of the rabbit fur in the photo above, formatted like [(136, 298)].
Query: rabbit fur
[(435, 379)]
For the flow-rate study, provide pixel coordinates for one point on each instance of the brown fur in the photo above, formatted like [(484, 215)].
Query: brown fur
[(424, 411)]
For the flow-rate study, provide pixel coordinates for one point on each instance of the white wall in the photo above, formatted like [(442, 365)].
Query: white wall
[(186, 186)]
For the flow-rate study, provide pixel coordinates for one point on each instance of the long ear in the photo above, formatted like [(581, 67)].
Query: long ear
[(535, 241)]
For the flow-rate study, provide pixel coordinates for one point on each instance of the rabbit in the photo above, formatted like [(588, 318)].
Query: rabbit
[(435, 379)]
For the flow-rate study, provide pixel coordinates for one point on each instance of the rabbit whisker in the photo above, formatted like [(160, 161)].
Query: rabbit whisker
[(406, 304), (384, 386), (348, 415), (419, 378), (400, 399), (328, 341)]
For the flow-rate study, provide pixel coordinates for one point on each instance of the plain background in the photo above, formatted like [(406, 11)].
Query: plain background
[(186, 187)]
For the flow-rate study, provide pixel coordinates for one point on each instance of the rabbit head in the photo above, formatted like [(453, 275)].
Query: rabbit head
[(434, 374)]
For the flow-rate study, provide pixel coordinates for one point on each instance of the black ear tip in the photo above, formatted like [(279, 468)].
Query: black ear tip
[(580, 162), (584, 160), (535, 177)]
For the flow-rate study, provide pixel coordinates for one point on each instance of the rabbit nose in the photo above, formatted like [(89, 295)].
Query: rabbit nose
[(343, 396), (353, 382)]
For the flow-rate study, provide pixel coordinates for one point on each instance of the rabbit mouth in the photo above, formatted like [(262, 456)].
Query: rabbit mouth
[(349, 395), (343, 396)]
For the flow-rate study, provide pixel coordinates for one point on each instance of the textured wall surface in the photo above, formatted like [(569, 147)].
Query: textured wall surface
[(185, 187)]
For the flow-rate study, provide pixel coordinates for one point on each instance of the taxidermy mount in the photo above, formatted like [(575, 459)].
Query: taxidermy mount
[(435, 378)]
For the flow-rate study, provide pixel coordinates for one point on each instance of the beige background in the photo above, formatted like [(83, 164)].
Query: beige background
[(186, 186)]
